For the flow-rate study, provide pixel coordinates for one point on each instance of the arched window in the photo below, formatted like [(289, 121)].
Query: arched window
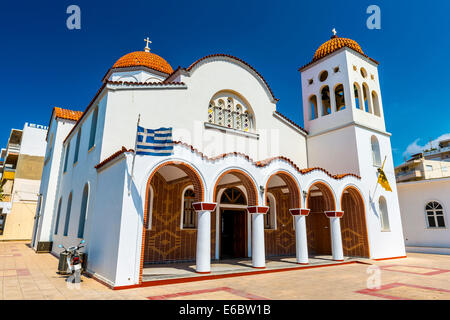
[(231, 111), (58, 214), (69, 207), (77, 147), (49, 152), (376, 155), (314, 113), (435, 215), (270, 216), (376, 104), (93, 128), (339, 97), (83, 212), (189, 216), (366, 101), (66, 158), (233, 196), (357, 91), (384, 214), (326, 102)]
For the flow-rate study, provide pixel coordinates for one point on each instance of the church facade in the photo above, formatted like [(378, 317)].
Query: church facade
[(243, 179)]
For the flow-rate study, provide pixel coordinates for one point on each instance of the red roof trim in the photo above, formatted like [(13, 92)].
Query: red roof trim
[(260, 164), (266, 162), (145, 83), (291, 122), (85, 111), (314, 61), (227, 56), (112, 157)]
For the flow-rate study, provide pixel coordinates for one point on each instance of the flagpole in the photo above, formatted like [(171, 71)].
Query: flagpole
[(382, 167), (134, 155)]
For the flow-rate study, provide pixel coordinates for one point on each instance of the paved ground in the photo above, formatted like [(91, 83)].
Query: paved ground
[(187, 270), (27, 275)]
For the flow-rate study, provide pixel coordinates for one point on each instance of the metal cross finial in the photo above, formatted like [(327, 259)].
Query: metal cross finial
[(147, 48), (334, 31)]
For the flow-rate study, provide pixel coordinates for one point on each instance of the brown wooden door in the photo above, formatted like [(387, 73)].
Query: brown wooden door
[(233, 237), (319, 233), (240, 238)]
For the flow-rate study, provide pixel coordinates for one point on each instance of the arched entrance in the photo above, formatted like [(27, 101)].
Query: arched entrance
[(233, 224), (282, 194), (353, 224), (233, 192), (320, 199), (169, 221)]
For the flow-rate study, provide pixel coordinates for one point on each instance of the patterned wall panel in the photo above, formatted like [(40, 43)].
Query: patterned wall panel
[(166, 241), (281, 242)]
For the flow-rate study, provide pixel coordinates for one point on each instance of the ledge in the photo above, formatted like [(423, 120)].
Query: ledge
[(230, 130)]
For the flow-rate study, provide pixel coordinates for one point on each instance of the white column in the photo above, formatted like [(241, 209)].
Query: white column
[(301, 243), (258, 251), (336, 239), (203, 257)]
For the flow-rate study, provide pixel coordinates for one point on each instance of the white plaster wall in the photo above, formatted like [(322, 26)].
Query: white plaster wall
[(50, 179), (76, 177), (106, 221), (335, 151), (186, 111), (33, 141), (137, 76), (382, 244), (25, 190), (413, 197)]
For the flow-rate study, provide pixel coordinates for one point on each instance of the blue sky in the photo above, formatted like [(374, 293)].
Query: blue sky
[(47, 65)]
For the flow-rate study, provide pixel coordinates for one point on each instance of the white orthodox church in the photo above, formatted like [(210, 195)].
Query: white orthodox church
[(243, 180)]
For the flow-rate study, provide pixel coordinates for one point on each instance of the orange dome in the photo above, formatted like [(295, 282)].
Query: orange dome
[(146, 59), (334, 44)]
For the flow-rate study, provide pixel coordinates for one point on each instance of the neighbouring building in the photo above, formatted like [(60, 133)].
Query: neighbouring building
[(21, 170), (239, 180), (423, 184)]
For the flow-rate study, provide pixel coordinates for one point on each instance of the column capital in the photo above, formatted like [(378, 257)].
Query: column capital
[(257, 209), (300, 212), (334, 214), (204, 206)]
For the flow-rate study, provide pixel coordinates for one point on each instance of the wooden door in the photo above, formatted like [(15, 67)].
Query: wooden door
[(240, 234), (318, 228)]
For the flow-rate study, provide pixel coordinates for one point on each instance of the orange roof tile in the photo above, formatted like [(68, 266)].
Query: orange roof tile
[(146, 59), (67, 114), (334, 44)]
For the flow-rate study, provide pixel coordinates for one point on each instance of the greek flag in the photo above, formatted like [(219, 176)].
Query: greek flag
[(154, 142)]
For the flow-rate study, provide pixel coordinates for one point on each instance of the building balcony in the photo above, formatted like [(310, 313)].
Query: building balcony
[(436, 151), (409, 175)]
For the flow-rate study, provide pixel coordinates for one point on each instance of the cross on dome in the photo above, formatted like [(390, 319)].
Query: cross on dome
[(147, 48), (334, 31)]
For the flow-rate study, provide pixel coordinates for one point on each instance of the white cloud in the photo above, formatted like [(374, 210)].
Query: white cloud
[(415, 147)]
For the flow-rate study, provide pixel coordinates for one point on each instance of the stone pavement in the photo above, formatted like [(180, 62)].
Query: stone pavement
[(27, 275)]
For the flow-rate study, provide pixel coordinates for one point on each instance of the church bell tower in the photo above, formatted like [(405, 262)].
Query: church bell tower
[(343, 114)]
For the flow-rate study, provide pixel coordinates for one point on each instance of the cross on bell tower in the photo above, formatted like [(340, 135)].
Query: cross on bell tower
[(147, 48)]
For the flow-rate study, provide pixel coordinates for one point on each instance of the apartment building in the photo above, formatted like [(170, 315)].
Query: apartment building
[(21, 169)]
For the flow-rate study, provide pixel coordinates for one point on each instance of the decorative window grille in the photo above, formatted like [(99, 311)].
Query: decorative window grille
[(228, 110)]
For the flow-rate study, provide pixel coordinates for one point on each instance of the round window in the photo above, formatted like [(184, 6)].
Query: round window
[(323, 76), (364, 73)]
